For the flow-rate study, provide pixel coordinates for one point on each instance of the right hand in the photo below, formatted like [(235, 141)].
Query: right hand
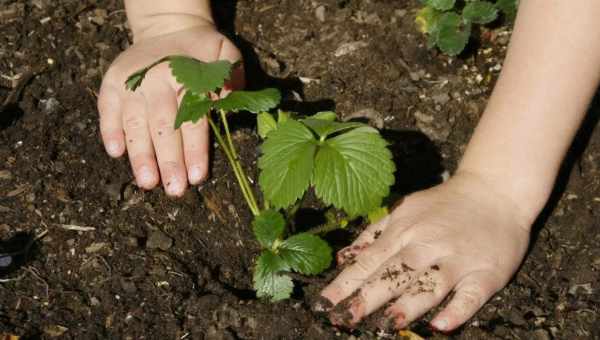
[(462, 236), (142, 122)]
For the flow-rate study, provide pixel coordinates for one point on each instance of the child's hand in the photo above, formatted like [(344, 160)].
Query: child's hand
[(461, 236), (142, 122)]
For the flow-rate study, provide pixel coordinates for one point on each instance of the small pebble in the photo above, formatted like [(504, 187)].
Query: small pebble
[(350, 47), (95, 247), (441, 98), (400, 13), (320, 13), (5, 174), (585, 289), (59, 167), (423, 118), (159, 240), (5, 261), (128, 286), (50, 105), (113, 190), (94, 301), (55, 331), (540, 334), (516, 318)]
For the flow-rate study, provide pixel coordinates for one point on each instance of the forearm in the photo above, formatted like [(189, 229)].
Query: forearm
[(161, 16), (550, 75)]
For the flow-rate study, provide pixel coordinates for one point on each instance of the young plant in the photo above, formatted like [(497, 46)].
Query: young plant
[(448, 23), (346, 163)]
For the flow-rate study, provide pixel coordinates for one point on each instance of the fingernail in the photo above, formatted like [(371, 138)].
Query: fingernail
[(146, 176), (196, 174), (349, 312), (357, 309), (393, 319), (440, 325), (174, 186), (113, 149)]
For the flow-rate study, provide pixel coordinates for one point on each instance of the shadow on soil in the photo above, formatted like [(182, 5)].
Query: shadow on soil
[(16, 252), (9, 114)]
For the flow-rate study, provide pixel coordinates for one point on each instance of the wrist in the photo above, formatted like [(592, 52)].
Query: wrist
[(525, 202), (151, 19)]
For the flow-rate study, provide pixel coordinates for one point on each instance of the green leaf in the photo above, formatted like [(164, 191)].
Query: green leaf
[(480, 12), (431, 41), (354, 171), (268, 283), (427, 18), (265, 123), (306, 253), (253, 101), (442, 5), (508, 7), (325, 115), (283, 116), (447, 20), (377, 214), (268, 227), (135, 80), (324, 128), (453, 41), (287, 163), (450, 35), (192, 108), (198, 76)]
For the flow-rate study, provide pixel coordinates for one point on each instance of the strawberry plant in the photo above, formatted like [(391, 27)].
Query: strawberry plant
[(448, 23), (347, 164)]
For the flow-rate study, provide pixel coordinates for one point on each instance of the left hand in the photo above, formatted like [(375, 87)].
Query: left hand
[(460, 236), (142, 122)]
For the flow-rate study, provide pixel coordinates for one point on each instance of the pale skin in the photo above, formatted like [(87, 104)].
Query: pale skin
[(141, 123), (467, 235)]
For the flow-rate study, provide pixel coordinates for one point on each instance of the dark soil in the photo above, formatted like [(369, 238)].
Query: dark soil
[(155, 268)]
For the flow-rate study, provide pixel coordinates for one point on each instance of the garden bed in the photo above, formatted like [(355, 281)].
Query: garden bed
[(121, 263)]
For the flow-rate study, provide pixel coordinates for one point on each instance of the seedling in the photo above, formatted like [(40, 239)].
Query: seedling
[(347, 164), (448, 23)]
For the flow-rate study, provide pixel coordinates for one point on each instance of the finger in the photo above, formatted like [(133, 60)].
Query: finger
[(231, 53), (354, 276), (367, 237), (386, 283), (471, 293), (402, 217), (111, 123), (424, 293), (196, 150), (139, 143), (161, 105), (365, 264)]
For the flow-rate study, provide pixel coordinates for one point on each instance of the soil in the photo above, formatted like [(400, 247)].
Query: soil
[(118, 263)]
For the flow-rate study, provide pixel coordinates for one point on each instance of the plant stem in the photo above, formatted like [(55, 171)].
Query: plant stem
[(237, 161), (239, 175)]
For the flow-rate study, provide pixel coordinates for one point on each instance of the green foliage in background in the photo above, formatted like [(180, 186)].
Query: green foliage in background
[(448, 23)]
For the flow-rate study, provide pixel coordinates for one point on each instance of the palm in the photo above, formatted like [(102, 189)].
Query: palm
[(142, 122)]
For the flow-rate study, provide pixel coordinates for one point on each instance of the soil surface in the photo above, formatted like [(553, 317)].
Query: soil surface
[(119, 263)]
